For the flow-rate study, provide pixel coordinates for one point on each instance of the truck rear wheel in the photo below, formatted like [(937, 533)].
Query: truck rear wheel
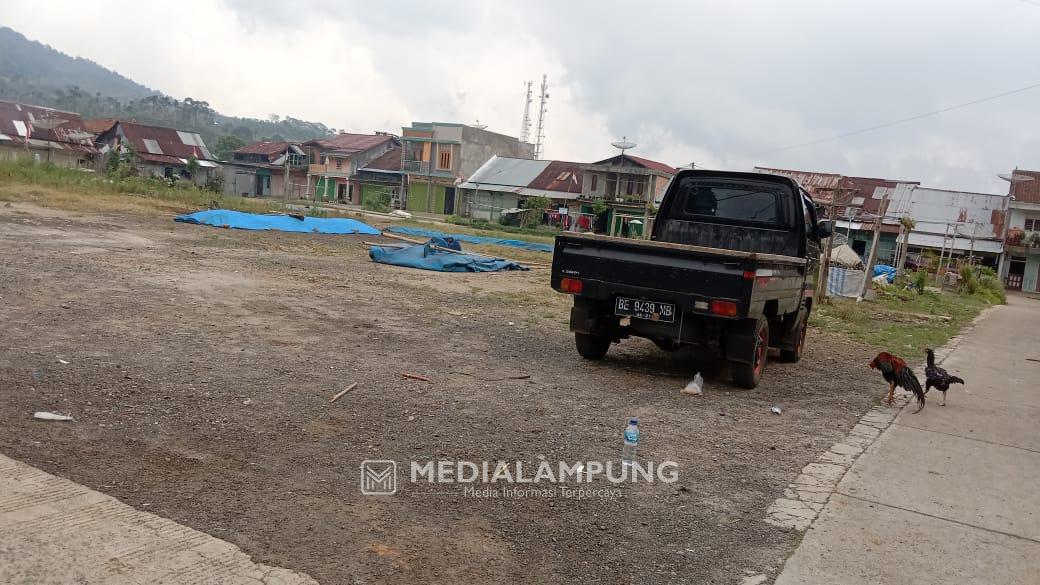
[(793, 355), (591, 347), (747, 374)]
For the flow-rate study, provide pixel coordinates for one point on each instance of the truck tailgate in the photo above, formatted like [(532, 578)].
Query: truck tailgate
[(611, 267)]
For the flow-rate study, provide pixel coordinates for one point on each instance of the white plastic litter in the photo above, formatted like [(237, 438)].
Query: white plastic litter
[(61, 361), (50, 416), (776, 410), (695, 387), (400, 213)]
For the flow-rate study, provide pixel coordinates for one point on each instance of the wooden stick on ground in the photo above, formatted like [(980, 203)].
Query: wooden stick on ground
[(342, 392), (415, 377)]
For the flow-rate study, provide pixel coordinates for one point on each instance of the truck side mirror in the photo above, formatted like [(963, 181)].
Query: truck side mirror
[(824, 228)]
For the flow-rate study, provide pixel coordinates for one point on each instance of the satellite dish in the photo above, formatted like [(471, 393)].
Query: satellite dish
[(47, 123), (623, 145)]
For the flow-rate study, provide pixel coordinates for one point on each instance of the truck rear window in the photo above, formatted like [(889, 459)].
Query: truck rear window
[(757, 203)]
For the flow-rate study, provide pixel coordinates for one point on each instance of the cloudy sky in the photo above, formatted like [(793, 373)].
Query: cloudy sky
[(724, 84)]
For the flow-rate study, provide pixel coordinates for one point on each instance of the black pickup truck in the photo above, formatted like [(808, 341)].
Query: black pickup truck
[(729, 266)]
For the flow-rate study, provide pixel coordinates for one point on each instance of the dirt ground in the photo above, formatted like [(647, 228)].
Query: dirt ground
[(201, 362)]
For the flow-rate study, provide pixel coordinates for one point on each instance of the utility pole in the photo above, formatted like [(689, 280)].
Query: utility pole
[(942, 251), (825, 264), (868, 275), (285, 183), (904, 249)]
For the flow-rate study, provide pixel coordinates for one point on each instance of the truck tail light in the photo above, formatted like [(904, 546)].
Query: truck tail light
[(724, 308), (749, 275), (571, 286)]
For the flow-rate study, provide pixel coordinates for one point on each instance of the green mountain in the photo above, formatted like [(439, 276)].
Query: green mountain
[(34, 73)]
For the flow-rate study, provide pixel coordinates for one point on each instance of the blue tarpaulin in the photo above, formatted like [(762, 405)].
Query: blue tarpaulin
[(409, 231), (281, 223), (425, 257), (888, 271)]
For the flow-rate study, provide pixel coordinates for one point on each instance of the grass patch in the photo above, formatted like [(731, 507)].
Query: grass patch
[(901, 321), (78, 190)]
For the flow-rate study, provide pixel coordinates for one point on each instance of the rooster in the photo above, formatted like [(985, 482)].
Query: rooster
[(938, 377), (897, 373)]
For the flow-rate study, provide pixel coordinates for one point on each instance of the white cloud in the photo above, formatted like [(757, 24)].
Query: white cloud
[(709, 82)]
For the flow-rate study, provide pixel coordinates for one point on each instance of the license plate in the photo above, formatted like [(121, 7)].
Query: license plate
[(649, 310)]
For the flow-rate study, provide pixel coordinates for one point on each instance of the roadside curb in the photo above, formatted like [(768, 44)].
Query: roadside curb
[(805, 497)]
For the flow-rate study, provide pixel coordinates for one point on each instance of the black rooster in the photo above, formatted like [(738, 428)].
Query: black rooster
[(897, 373), (938, 377)]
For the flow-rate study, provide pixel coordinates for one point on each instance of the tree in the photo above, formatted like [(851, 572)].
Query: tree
[(226, 144), (192, 167), (908, 224)]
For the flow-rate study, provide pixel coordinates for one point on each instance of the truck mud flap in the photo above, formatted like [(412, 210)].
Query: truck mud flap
[(588, 318), (740, 342)]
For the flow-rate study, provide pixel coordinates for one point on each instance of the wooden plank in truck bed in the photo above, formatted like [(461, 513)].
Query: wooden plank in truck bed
[(752, 256)]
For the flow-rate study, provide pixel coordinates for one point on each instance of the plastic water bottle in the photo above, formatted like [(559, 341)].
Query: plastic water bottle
[(628, 452)]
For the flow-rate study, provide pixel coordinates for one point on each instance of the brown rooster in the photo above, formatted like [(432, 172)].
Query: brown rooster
[(897, 373)]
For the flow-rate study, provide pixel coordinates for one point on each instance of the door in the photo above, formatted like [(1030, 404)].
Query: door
[(449, 201), (341, 191), (1016, 270)]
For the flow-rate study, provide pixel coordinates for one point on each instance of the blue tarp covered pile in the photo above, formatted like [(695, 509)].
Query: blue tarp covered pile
[(282, 223), (408, 231), (426, 257), (888, 271)]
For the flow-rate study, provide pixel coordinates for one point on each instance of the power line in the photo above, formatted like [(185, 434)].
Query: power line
[(901, 121)]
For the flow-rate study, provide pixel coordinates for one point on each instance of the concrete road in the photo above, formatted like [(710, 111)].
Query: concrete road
[(54, 531), (950, 495)]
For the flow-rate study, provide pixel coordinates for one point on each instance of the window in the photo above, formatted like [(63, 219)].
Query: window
[(630, 188), (593, 186), (323, 160), (444, 158), (740, 202), (1031, 225), (339, 164)]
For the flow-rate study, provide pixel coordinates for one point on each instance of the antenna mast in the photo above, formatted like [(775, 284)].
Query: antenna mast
[(539, 138), (525, 125)]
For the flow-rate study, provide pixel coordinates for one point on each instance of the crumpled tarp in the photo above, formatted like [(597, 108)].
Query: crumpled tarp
[(425, 257), (845, 256), (409, 231), (279, 222), (889, 272)]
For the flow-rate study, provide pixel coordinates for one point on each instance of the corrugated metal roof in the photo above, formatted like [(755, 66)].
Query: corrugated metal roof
[(388, 161), (933, 209), (1026, 191), (52, 128), (168, 141), (507, 172), (350, 143), (960, 243), (268, 148), (560, 176), (640, 161), (821, 186)]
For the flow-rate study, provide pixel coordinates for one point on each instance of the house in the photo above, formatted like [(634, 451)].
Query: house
[(334, 160), (1021, 270), (958, 224), (45, 135), (504, 183), (267, 169), (439, 156), (161, 152), (382, 180), (629, 185)]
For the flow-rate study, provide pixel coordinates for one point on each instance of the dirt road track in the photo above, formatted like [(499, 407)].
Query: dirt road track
[(201, 362)]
